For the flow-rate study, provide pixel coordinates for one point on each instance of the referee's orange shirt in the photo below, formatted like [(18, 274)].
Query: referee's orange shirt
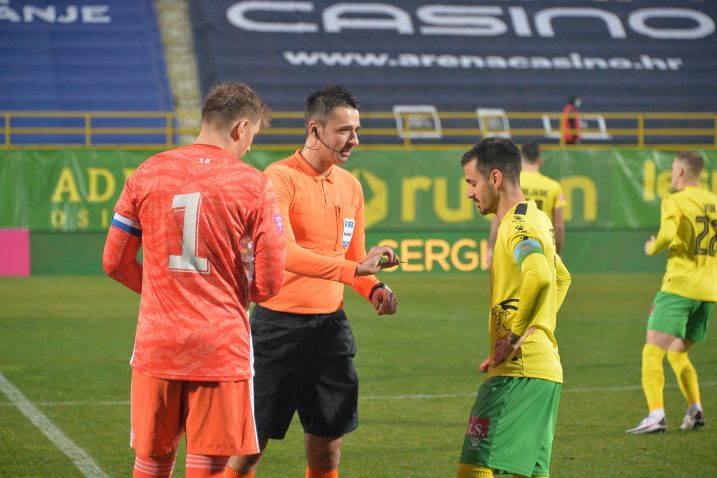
[(323, 218)]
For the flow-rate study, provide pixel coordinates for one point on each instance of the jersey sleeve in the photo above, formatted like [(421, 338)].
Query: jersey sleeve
[(563, 281), (356, 252), (124, 240), (535, 274), (270, 252), (669, 221), (298, 259), (559, 196), (126, 203)]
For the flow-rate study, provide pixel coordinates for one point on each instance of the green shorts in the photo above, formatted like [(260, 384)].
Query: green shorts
[(511, 426), (679, 316)]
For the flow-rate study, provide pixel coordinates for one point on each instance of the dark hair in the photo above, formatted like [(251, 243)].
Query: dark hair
[(321, 103), (694, 162), (495, 153), (227, 102), (573, 99), (531, 152)]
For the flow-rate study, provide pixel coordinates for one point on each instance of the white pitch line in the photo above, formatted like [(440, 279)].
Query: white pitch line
[(84, 403), (417, 396), (77, 455), (628, 388)]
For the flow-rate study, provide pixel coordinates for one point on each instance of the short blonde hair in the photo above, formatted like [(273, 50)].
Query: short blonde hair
[(694, 163), (227, 102)]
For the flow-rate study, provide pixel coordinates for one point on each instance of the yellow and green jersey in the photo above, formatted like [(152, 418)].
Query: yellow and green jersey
[(526, 230), (546, 192), (688, 226)]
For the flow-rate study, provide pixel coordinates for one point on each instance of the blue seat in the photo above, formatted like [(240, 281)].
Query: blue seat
[(112, 66)]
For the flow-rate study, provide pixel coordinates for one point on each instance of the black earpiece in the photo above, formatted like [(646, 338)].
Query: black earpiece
[(316, 133)]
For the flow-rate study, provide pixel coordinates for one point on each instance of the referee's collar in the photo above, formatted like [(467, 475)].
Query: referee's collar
[(309, 169)]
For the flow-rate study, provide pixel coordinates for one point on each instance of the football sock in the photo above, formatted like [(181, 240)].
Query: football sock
[(150, 467), (686, 376), (473, 471), (319, 473), (229, 473), (694, 408), (206, 466), (653, 376)]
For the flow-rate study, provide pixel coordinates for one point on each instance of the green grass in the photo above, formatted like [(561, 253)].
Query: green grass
[(65, 343)]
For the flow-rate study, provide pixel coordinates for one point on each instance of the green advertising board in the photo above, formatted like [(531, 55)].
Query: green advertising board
[(415, 200)]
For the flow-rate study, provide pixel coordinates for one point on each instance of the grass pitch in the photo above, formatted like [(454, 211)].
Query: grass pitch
[(65, 343)]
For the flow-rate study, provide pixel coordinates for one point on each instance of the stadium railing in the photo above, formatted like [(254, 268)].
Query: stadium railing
[(408, 126)]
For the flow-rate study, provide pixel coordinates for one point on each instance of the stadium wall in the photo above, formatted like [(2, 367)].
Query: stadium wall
[(415, 202), (515, 55)]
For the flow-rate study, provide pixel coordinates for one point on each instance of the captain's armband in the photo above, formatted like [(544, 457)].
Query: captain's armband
[(526, 248)]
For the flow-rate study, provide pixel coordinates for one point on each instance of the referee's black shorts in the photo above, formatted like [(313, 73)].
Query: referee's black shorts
[(304, 363)]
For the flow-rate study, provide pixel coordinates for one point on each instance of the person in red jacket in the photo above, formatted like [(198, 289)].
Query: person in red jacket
[(570, 122), (190, 209)]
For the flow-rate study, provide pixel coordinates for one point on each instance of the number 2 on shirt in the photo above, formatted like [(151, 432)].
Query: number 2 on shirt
[(712, 245), (189, 261)]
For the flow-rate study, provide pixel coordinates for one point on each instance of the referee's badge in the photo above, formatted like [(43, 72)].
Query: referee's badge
[(349, 225)]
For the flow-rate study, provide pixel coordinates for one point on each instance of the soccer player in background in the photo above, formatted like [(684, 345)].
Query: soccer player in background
[(188, 209), (548, 196), (303, 343), (682, 308), (511, 424)]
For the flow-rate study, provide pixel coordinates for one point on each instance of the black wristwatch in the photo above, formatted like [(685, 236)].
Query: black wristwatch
[(380, 285)]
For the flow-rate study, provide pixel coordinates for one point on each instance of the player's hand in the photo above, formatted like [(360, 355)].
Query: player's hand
[(372, 263), (648, 245), (384, 301), (504, 346)]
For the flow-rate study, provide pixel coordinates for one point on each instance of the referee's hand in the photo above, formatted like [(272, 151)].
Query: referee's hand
[(372, 262), (384, 301)]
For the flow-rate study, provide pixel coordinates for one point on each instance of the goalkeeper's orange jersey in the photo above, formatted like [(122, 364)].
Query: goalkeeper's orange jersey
[(191, 207), (323, 218), (688, 226)]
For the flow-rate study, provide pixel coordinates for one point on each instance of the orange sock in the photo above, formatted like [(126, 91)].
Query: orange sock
[(206, 466), (149, 467), (229, 473), (319, 473)]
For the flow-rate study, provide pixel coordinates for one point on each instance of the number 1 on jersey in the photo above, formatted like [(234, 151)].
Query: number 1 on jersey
[(189, 261)]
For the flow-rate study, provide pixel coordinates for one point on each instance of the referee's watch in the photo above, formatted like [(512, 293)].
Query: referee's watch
[(380, 285)]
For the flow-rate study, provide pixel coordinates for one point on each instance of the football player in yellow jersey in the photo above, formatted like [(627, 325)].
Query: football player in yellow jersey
[(546, 192), (548, 196), (511, 424), (682, 308)]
